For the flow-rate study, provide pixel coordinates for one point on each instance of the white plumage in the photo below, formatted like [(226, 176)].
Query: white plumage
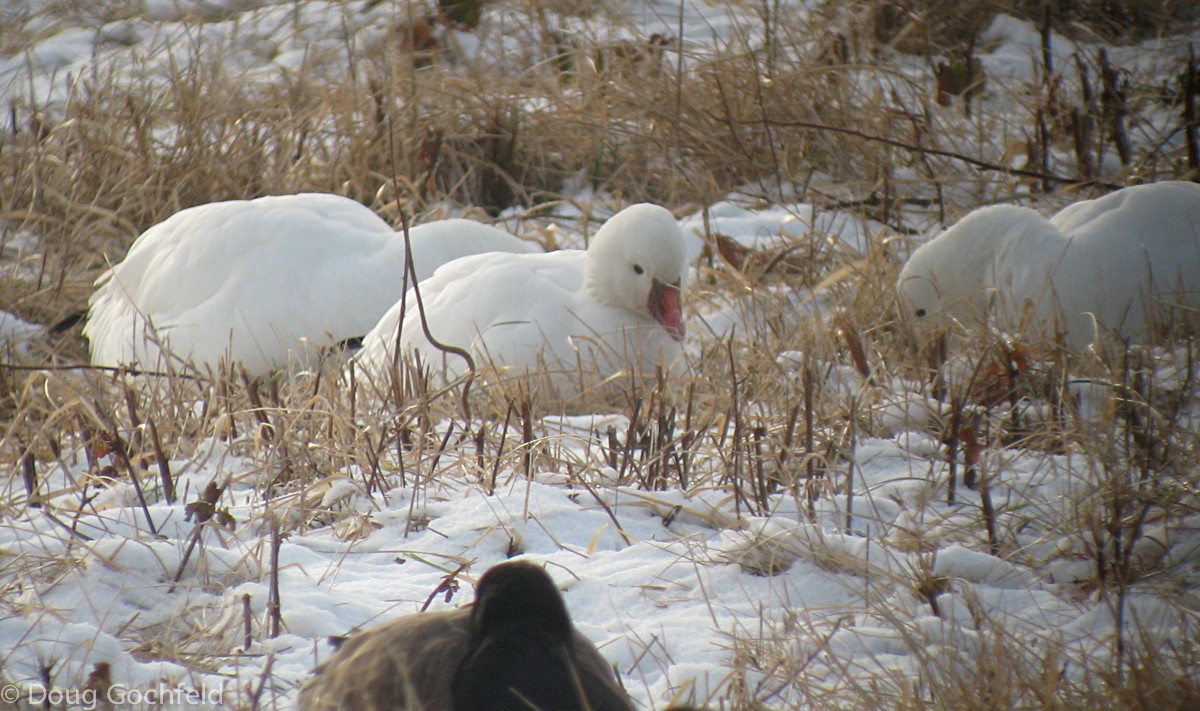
[(1119, 266), (576, 316), (257, 281)]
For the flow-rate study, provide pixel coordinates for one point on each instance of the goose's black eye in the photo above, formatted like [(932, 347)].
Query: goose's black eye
[(637, 269), (920, 313)]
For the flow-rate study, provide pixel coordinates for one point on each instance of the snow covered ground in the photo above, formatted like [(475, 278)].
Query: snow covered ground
[(876, 591)]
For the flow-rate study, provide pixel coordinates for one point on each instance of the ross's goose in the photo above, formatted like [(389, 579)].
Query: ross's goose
[(576, 317), (1122, 266), (514, 649), (257, 280)]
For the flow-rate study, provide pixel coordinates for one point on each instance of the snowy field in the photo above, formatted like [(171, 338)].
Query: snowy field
[(886, 587)]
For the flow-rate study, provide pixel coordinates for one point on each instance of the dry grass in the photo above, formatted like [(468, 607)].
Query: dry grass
[(631, 119)]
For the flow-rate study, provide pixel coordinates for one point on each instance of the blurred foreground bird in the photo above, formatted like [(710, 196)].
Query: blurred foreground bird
[(515, 649)]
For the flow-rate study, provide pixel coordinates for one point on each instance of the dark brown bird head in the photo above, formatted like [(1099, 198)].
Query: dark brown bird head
[(517, 595), (525, 653)]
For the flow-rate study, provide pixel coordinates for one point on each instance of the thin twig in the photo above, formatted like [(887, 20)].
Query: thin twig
[(274, 606), (1191, 124), (164, 466), (101, 369), (411, 272), (979, 163), (608, 510)]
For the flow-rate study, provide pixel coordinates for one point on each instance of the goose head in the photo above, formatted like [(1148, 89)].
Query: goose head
[(525, 653), (637, 262), (956, 275), (518, 594)]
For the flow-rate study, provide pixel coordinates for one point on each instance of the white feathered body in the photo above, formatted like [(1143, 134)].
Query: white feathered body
[(575, 316), (548, 323), (259, 281), (1117, 267)]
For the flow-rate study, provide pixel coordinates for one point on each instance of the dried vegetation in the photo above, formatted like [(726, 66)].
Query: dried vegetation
[(812, 110)]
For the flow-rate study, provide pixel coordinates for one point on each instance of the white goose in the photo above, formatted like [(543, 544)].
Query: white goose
[(576, 316), (257, 281), (1119, 266)]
